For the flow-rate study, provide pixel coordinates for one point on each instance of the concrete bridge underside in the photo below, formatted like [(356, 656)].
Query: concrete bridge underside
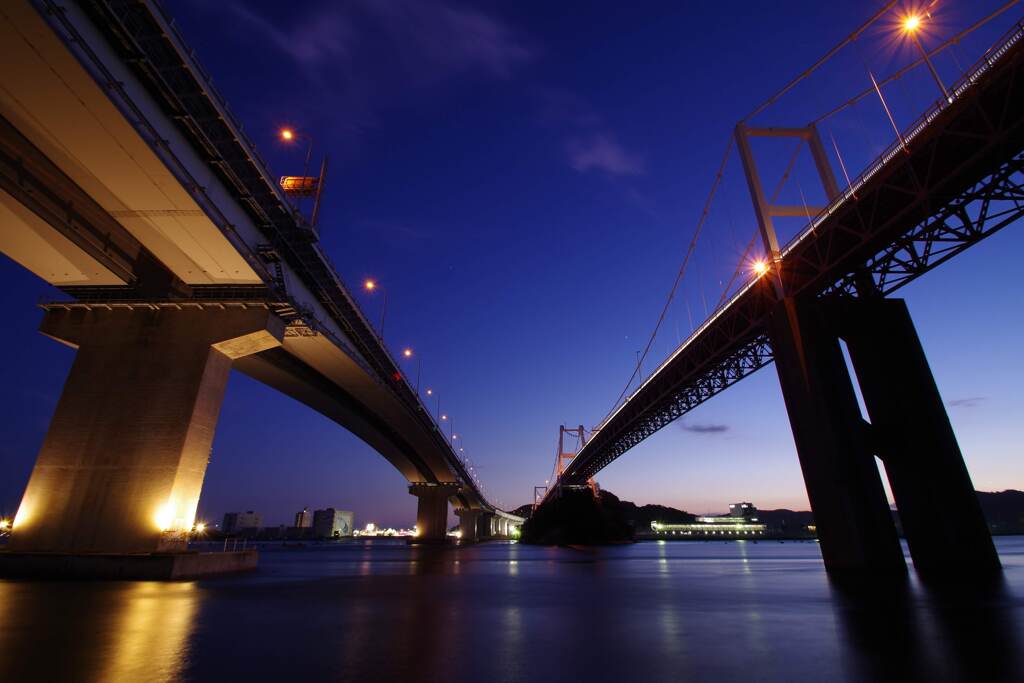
[(109, 196)]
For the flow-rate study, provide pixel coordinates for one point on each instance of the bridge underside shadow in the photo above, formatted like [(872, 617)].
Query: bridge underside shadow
[(908, 430)]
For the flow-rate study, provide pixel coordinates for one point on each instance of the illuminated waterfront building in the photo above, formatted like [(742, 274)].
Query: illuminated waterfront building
[(303, 519), (741, 522)]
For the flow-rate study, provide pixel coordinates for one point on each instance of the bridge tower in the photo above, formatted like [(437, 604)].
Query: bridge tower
[(906, 427), (567, 456), (563, 456)]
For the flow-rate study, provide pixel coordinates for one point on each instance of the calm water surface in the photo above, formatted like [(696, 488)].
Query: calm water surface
[(381, 611)]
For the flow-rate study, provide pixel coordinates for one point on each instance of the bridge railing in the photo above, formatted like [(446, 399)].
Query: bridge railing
[(989, 59)]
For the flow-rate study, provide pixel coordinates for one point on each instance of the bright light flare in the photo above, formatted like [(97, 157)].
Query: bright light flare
[(760, 267), (911, 23), (407, 353), (287, 134), (370, 285), (200, 527), (5, 524), (444, 417), (165, 517)]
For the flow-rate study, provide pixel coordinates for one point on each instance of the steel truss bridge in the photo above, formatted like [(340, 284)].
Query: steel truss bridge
[(955, 177)]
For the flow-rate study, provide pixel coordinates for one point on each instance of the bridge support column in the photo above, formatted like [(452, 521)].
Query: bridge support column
[(432, 511), (469, 522), (855, 527), (485, 527), (122, 465), (939, 511)]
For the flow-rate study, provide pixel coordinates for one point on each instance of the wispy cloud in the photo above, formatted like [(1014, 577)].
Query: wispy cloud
[(599, 152), (589, 143), (707, 428), (363, 54), (969, 402)]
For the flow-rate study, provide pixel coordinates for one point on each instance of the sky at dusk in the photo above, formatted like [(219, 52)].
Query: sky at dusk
[(524, 179)]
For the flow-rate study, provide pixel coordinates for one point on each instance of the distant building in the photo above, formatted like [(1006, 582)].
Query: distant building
[(236, 521), (746, 510), (331, 523), (303, 519)]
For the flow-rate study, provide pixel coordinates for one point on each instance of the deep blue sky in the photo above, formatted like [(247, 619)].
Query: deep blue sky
[(524, 179)]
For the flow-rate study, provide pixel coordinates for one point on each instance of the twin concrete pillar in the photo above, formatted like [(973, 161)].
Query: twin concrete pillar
[(123, 463), (909, 431), (938, 507), (432, 510)]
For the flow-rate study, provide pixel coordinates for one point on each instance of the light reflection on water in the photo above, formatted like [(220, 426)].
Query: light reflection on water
[(498, 612)]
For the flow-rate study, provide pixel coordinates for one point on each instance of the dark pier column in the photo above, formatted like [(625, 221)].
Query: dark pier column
[(432, 510), (938, 508), (123, 462), (855, 527), (469, 521), (485, 528)]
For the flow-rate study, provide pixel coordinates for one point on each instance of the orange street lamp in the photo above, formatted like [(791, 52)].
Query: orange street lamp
[(760, 267), (911, 26), (371, 286), (304, 186)]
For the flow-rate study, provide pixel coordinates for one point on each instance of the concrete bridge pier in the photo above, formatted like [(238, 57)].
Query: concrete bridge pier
[(469, 523), (123, 462), (485, 527), (432, 510), (855, 527), (939, 511)]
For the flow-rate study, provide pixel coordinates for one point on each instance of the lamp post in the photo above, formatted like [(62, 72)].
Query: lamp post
[(437, 412), (289, 135), (305, 186), (407, 353), (911, 26), (371, 285)]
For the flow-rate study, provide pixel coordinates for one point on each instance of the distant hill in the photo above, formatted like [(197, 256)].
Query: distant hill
[(523, 510), (1004, 510)]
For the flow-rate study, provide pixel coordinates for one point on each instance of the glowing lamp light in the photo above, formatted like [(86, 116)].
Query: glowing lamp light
[(430, 392), (287, 134), (760, 267), (5, 524), (911, 23), (200, 527), (370, 285), (164, 517), (407, 353), (444, 417)]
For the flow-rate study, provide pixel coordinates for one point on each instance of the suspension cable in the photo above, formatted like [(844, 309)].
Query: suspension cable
[(682, 272), (814, 67), (902, 72)]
